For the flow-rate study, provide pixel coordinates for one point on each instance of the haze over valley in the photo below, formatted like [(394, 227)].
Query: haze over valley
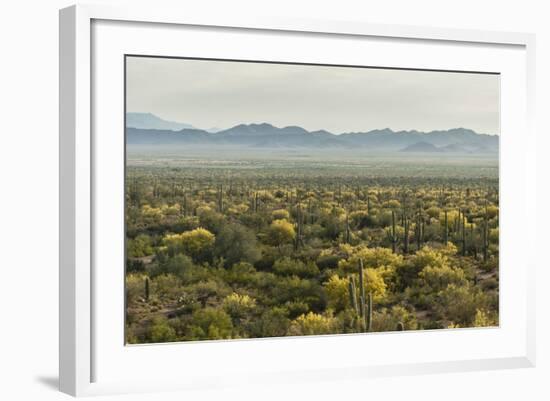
[(145, 130)]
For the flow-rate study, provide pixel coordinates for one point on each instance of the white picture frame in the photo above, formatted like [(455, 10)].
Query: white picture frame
[(82, 344)]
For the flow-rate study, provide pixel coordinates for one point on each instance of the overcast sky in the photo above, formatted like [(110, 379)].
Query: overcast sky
[(220, 94)]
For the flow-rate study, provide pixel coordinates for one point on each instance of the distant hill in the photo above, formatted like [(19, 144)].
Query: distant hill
[(422, 147), (457, 140), (151, 121)]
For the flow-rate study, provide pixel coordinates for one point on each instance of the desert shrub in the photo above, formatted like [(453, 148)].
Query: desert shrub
[(429, 257), (237, 306), (139, 246), (457, 304), (280, 232), (161, 331), (280, 214), (489, 284), (492, 211), (338, 296), (166, 286), (296, 308), (274, 322), (374, 283), (178, 265), (485, 319), (311, 324), (328, 262), (236, 243), (289, 267), (371, 257), (197, 243), (135, 287), (242, 274), (494, 235), (135, 266), (210, 324), (211, 220), (388, 319), (383, 218), (293, 288), (433, 279), (186, 224), (434, 212), (207, 292)]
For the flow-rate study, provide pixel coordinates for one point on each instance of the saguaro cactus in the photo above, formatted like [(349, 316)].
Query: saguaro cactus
[(362, 298), (183, 207), (369, 314), (418, 229), (347, 235), (473, 241), (406, 225), (353, 294), (361, 285), (485, 236), (146, 289), (134, 192), (299, 227), (368, 204), (220, 198), (463, 235), (446, 229), (393, 234), (365, 306)]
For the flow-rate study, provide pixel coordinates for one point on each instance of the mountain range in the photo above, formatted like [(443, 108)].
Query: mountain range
[(457, 140), (151, 121)]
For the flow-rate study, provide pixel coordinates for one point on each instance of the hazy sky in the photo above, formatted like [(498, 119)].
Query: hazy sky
[(219, 94)]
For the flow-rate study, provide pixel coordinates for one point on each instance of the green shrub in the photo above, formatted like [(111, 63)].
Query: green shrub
[(210, 324), (289, 267), (311, 324), (161, 331)]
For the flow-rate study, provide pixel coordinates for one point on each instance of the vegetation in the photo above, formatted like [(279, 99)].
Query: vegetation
[(263, 248)]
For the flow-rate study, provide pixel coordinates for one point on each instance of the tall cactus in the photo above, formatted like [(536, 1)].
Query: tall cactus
[(146, 289), (183, 207), (362, 298), (254, 202), (299, 227), (134, 192), (473, 241), (393, 234), (406, 225), (446, 228), (220, 198), (368, 204), (353, 294), (485, 236), (463, 234), (347, 235), (418, 229), (369, 314)]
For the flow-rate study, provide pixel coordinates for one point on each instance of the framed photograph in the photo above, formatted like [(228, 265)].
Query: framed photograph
[(270, 200)]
